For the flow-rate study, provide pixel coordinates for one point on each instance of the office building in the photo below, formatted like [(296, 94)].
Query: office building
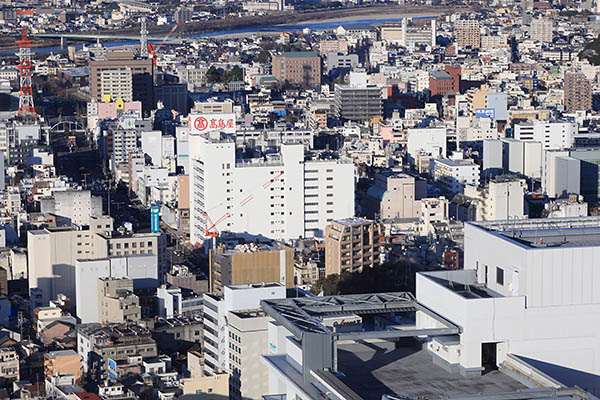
[(552, 135), (141, 269), (508, 304), (297, 195), (341, 61), (142, 76), (351, 245), (248, 263), (297, 68), (501, 198), (452, 175), (441, 83), (541, 29), (577, 92), (173, 96), (216, 328), (75, 205), (116, 301), (248, 338), (467, 33), (335, 352)]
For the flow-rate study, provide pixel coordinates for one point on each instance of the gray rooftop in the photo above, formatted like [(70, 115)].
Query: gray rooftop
[(374, 369), (547, 232)]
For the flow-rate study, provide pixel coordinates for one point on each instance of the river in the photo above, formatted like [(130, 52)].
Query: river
[(314, 26)]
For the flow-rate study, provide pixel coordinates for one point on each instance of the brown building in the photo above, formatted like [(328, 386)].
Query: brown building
[(577, 92), (301, 68), (251, 263), (454, 71), (441, 83), (468, 33), (65, 362), (142, 79), (351, 244)]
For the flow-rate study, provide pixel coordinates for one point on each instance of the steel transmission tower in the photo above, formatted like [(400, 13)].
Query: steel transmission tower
[(143, 38), (26, 93)]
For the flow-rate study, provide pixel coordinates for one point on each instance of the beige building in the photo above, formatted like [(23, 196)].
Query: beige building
[(9, 363), (541, 29), (116, 301), (142, 76), (468, 33), (251, 263), (301, 68), (53, 252), (351, 244), (115, 84), (395, 195), (213, 106), (211, 387), (59, 363), (248, 339)]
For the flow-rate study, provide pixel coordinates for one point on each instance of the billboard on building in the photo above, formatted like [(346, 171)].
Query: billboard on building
[(155, 219), (485, 113), (204, 123)]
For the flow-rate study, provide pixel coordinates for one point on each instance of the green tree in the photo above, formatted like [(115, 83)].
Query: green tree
[(264, 57), (214, 75)]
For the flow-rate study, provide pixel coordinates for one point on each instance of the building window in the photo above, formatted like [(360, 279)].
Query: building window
[(499, 276)]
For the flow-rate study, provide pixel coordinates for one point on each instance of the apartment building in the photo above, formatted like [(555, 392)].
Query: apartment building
[(577, 92), (142, 269), (299, 193), (249, 263), (541, 29), (116, 84), (352, 245), (62, 362), (301, 68), (395, 195), (142, 76), (468, 33), (96, 344), (116, 301), (333, 46), (357, 101), (9, 363), (453, 175)]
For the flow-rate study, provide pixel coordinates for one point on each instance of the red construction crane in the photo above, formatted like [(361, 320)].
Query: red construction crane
[(212, 231), (152, 51)]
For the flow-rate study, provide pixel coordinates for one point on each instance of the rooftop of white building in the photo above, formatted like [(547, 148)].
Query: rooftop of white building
[(548, 232)]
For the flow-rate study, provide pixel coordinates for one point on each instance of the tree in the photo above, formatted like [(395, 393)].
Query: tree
[(264, 57), (214, 75)]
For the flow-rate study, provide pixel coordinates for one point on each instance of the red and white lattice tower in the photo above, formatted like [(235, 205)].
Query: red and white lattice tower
[(26, 94)]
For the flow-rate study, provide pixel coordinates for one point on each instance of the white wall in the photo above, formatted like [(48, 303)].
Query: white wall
[(429, 140)]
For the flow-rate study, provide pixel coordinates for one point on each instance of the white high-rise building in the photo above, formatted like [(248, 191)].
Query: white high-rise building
[(218, 334), (282, 195), (552, 135)]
